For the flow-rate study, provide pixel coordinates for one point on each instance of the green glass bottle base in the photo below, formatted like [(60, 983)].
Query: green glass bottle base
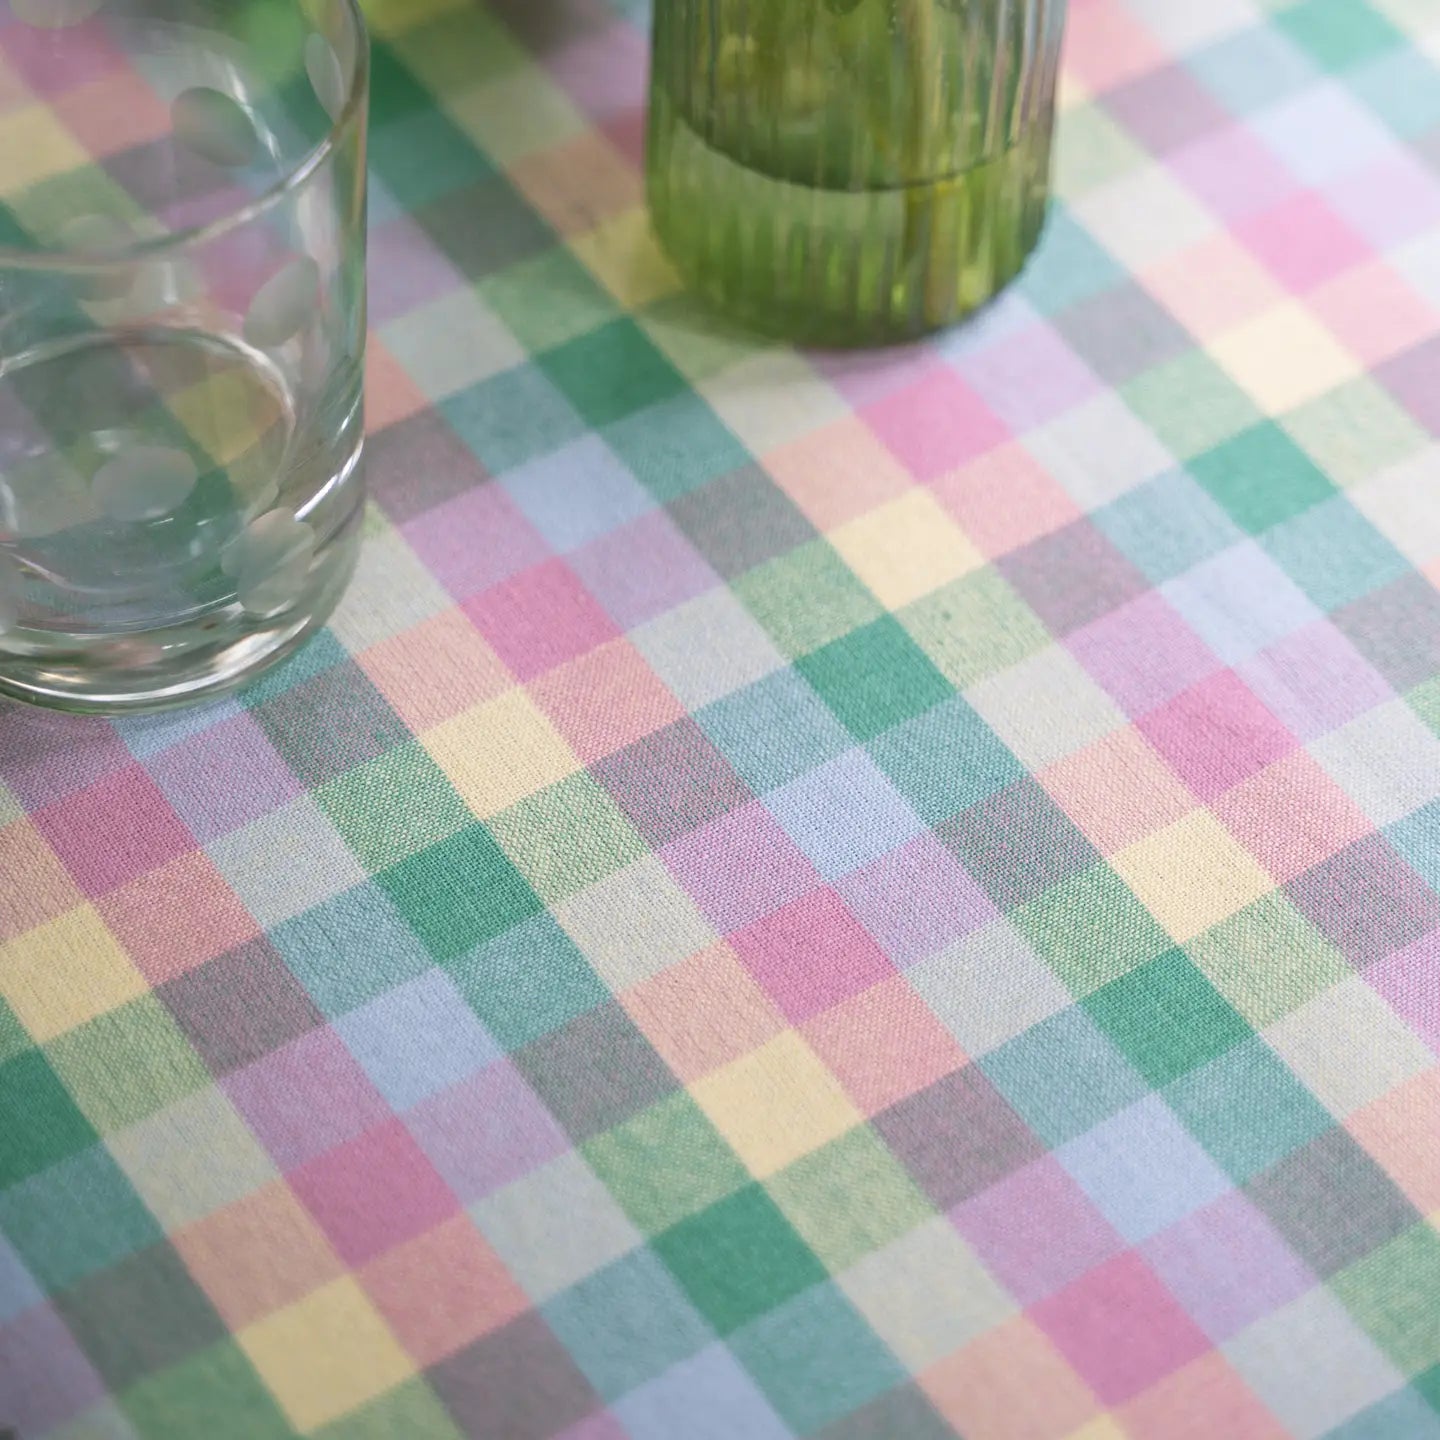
[(842, 267)]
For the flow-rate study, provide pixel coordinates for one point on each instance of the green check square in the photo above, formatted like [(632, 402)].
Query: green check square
[(1068, 266), (974, 627), (460, 48), (807, 598), (817, 1360), (547, 300), (411, 1410), (1268, 959), (215, 1393), (1392, 1291), (511, 418), (701, 341), (1190, 403), (127, 1063), (1166, 1017), (1428, 1387), (1424, 700), (275, 35), (1247, 1109), (567, 836), (849, 1197), (459, 893), (1355, 432), (89, 189), (1036, 1073), (945, 761), (394, 92), (38, 1119), (77, 1216), (665, 1164), (675, 447), (1090, 929), (612, 372), (1092, 149), (14, 1038), (738, 1258), (874, 678), (394, 806), (420, 157), (1334, 554), (1339, 34), (1261, 477), (527, 982)]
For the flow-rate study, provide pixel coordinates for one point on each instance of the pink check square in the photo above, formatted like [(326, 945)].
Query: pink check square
[(373, 1192), (935, 425), (1120, 1328)]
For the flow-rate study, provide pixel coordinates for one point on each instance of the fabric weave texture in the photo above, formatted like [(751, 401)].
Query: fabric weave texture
[(877, 897)]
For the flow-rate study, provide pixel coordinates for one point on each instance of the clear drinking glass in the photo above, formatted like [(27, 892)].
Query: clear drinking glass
[(852, 171), (182, 330)]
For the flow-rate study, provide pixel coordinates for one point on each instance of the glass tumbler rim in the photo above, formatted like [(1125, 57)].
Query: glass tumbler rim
[(293, 179)]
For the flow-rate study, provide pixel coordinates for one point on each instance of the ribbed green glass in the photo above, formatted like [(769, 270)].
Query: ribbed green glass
[(851, 171)]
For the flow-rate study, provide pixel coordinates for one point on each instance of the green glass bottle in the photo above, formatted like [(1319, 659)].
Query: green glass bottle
[(851, 171)]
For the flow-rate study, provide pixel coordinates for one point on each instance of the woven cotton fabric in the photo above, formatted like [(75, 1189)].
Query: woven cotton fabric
[(879, 897)]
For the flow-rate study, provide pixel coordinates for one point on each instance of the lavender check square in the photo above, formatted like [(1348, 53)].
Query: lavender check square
[(577, 493), (1227, 1265), (916, 900), (844, 814), (417, 1039), (485, 1131), (1142, 1169), (671, 781), (1367, 900)]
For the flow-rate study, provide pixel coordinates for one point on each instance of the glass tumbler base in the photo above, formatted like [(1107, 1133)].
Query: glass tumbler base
[(158, 669), (175, 515)]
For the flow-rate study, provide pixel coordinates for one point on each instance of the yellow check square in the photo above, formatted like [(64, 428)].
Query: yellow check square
[(906, 549), (775, 1104), (1192, 874), (625, 257), (34, 146), (325, 1354), (500, 751), (515, 114), (65, 972), (1283, 358)]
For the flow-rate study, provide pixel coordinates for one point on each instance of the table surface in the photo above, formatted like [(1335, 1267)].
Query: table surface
[(885, 896)]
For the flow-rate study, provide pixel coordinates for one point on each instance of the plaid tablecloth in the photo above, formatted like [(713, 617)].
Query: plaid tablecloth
[(879, 897)]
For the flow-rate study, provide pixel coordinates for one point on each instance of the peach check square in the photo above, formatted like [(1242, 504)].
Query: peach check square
[(48, 890), (258, 1254), (435, 670), (1010, 1384), (1005, 499), (883, 1044), (837, 472), (605, 700), (1291, 815), (1387, 1128), (1117, 790), (703, 1012)]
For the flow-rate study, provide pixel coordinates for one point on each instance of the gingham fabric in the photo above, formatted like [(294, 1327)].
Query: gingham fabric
[(881, 897)]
